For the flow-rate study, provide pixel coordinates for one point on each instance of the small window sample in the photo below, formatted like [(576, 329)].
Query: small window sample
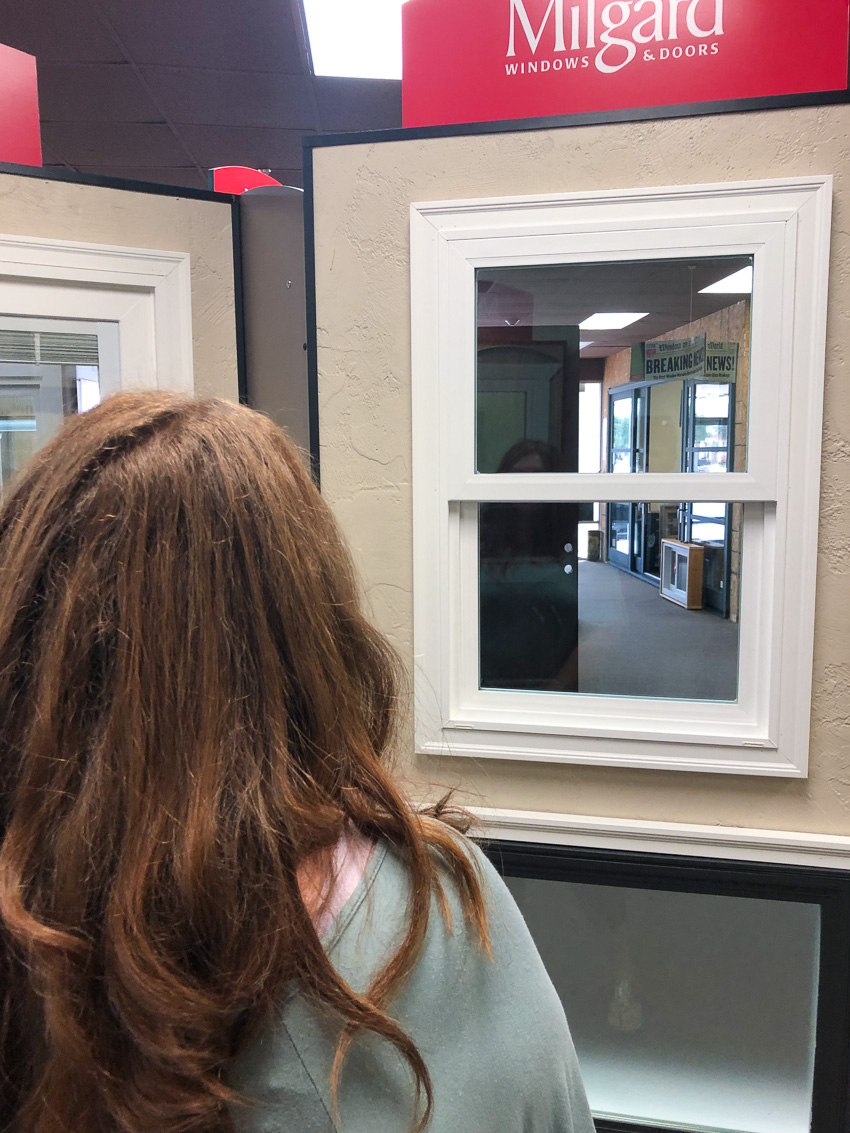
[(49, 369), (616, 418)]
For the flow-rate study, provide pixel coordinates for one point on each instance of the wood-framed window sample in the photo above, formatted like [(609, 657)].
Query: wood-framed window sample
[(701, 993), (711, 301)]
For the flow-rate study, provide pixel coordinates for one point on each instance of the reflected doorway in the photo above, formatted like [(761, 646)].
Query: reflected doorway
[(527, 420), (665, 426)]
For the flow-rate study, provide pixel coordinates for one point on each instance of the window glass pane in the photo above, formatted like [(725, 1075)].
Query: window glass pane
[(590, 433), (691, 1010), (621, 462), (712, 401), (644, 602), (709, 460), (621, 431), (48, 370), (711, 436), (670, 357)]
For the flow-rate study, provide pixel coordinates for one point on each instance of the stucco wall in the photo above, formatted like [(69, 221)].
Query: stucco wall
[(92, 214), (363, 194)]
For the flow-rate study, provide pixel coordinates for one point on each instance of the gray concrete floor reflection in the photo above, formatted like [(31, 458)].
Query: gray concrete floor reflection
[(633, 642)]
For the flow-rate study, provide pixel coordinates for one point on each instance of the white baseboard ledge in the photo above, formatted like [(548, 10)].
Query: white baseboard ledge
[(777, 847)]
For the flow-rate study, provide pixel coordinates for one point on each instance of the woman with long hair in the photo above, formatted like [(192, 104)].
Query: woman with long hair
[(218, 912)]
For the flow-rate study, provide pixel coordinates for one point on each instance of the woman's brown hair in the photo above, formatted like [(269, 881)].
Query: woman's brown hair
[(192, 705)]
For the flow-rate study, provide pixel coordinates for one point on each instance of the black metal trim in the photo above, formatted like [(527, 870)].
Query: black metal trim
[(831, 1087), (828, 888), (239, 300), (312, 338), (607, 1125), (595, 118), (640, 870), (75, 178)]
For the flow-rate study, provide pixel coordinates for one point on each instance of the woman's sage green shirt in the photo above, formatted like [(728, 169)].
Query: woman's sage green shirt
[(492, 1032)]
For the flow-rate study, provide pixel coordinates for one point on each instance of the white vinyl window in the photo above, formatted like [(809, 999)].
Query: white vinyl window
[(544, 629)]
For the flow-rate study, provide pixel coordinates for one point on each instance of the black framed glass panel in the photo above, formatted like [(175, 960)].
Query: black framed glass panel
[(702, 995)]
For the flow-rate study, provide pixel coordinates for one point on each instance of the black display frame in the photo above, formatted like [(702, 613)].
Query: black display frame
[(826, 887)]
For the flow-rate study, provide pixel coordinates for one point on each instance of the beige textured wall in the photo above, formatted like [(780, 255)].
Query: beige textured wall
[(362, 198), (58, 210)]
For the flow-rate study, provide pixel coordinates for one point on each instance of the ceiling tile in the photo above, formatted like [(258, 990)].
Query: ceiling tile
[(57, 30), (231, 145), (93, 92), (252, 35), (289, 176), (131, 145), (185, 177), (232, 98), (358, 104)]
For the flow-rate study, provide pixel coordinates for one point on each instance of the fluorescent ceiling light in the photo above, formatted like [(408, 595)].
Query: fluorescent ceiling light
[(357, 39), (612, 320), (738, 283), (582, 345)]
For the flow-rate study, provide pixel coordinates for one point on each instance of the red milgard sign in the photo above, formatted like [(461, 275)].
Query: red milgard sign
[(490, 60), (20, 130)]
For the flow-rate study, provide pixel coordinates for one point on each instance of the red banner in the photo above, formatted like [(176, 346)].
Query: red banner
[(20, 131), (238, 179), (489, 60)]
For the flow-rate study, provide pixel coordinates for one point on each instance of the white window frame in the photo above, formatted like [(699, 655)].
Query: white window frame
[(147, 292), (785, 225)]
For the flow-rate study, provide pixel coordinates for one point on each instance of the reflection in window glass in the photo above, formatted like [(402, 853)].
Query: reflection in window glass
[(621, 437), (45, 375), (621, 462), (555, 618), (17, 428), (675, 381), (693, 1010)]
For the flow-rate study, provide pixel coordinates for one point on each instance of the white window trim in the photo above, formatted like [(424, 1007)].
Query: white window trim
[(785, 225), (146, 291), (638, 835)]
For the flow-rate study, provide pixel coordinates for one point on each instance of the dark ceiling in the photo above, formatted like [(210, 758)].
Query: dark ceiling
[(163, 90)]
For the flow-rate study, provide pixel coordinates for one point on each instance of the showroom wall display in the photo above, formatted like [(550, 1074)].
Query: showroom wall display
[(362, 197), (678, 911)]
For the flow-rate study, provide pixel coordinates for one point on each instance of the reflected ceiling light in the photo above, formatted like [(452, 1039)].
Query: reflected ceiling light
[(612, 320), (359, 40), (738, 283)]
